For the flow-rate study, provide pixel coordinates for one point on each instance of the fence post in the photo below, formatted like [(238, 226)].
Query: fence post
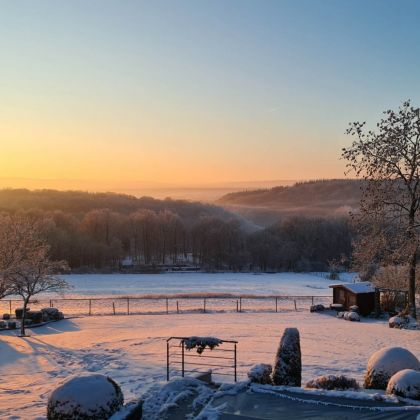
[(234, 356), (183, 363), (237, 305), (204, 305), (312, 301), (113, 307), (128, 306), (276, 303), (51, 303), (167, 360), (90, 306), (177, 309), (240, 304), (294, 300), (167, 306), (10, 307)]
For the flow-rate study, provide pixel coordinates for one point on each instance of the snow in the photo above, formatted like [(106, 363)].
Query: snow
[(293, 284), (200, 343), (261, 373), (160, 402), (405, 383), (385, 362), (358, 287), (132, 350)]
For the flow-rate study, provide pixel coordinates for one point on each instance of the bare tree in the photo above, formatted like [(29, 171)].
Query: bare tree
[(26, 269), (388, 159)]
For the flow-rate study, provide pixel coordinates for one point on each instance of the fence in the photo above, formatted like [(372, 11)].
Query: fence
[(222, 361), (171, 304)]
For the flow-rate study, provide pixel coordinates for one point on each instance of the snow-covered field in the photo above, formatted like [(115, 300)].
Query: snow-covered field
[(96, 285), (132, 350), (109, 288)]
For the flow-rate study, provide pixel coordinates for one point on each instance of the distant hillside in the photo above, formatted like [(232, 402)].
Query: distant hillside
[(334, 197), (79, 203)]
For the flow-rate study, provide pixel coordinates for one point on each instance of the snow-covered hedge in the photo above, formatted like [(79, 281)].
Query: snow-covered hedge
[(387, 362), (87, 397), (332, 382), (405, 383), (200, 343), (260, 374), (288, 362)]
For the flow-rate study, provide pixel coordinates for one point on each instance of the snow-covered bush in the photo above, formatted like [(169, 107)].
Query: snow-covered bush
[(261, 374), (6, 316), (163, 401), (88, 397), (354, 308), (333, 382), (351, 316), (200, 343), (405, 383), (317, 308), (3, 324), (387, 362), (288, 362), (402, 321)]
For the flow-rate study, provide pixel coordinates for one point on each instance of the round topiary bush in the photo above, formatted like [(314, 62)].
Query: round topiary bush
[(387, 362), (87, 397), (405, 383)]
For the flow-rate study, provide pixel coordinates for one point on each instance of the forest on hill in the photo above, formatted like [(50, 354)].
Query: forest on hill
[(320, 198), (96, 231)]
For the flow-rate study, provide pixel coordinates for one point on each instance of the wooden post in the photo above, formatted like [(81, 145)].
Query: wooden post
[(240, 304), (177, 311), (312, 301), (167, 306), (234, 361), (51, 303), (128, 306), (204, 305), (10, 307), (167, 360), (90, 306), (237, 305), (276, 304), (295, 304), (113, 307), (183, 358)]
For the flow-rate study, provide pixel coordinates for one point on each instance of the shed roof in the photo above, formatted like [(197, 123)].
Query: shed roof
[(359, 287)]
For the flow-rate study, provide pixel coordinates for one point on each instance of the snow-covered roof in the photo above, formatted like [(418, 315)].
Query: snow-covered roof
[(359, 287)]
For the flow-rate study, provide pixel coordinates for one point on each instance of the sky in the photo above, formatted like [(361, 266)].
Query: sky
[(101, 94)]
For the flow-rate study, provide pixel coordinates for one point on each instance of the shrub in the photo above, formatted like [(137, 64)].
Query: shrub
[(288, 363), (333, 382)]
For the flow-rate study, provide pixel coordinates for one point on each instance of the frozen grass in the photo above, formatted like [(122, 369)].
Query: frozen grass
[(132, 350)]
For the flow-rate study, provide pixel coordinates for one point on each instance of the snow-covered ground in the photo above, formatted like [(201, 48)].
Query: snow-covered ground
[(132, 350), (172, 283)]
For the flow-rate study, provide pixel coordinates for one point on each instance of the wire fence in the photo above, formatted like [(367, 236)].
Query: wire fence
[(171, 304)]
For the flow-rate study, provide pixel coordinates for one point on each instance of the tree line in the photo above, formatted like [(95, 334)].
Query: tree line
[(100, 239)]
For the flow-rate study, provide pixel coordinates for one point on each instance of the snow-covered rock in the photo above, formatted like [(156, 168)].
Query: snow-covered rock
[(387, 362), (88, 397), (396, 322), (260, 374), (332, 382), (405, 383), (288, 363)]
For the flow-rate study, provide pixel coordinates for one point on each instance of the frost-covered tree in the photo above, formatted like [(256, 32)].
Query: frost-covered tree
[(388, 158), (26, 269)]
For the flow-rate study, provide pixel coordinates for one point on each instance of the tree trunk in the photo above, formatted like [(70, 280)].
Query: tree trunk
[(22, 325), (412, 285)]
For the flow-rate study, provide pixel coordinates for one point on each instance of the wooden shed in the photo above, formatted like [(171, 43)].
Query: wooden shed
[(361, 294)]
